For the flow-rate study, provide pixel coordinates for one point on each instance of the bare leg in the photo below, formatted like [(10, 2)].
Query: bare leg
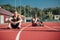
[(41, 24), (20, 24), (9, 25)]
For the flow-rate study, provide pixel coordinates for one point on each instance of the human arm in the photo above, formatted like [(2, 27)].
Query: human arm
[(20, 20), (10, 20)]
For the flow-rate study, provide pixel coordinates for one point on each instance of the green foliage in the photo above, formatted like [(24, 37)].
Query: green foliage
[(28, 11)]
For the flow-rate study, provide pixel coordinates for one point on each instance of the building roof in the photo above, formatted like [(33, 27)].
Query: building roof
[(5, 12)]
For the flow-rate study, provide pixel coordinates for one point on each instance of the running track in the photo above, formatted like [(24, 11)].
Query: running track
[(50, 31)]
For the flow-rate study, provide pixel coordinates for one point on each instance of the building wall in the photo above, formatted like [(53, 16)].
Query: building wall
[(56, 17), (5, 18), (2, 18)]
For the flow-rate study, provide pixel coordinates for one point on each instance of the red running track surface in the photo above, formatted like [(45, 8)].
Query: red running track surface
[(50, 31)]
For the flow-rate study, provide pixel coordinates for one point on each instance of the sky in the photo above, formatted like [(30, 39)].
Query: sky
[(33, 3)]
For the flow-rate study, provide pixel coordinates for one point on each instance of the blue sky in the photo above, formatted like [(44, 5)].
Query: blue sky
[(33, 3)]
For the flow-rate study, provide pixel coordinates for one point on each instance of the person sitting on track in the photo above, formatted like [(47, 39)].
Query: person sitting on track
[(35, 21), (15, 21)]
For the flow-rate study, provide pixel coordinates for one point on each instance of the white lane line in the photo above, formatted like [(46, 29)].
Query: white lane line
[(55, 26), (19, 33), (50, 27)]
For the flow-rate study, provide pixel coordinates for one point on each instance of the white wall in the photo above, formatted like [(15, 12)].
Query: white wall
[(1, 19)]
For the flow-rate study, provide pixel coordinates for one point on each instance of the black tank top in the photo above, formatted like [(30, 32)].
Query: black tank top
[(15, 20)]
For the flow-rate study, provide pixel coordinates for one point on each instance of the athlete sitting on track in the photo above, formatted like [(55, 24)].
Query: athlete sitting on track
[(35, 21), (15, 21)]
